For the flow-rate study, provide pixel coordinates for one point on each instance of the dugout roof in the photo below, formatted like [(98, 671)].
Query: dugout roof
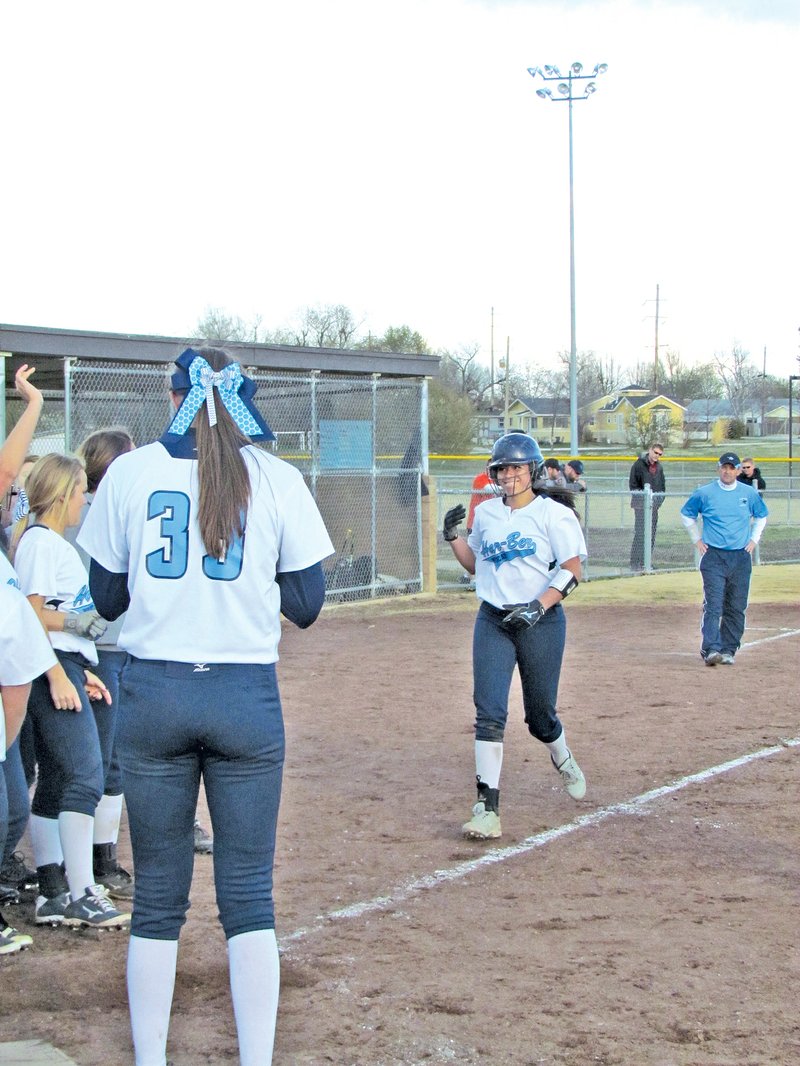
[(47, 348)]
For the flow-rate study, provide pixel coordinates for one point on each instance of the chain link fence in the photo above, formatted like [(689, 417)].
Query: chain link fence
[(608, 522), (357, 440)]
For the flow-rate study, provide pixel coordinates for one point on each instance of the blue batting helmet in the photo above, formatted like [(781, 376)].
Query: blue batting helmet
[(515, 449)]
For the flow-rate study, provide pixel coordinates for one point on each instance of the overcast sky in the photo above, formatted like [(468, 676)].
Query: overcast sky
[(162, 158)]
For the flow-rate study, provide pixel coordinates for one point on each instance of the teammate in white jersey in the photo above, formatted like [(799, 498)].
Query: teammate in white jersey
[(70, 779), (526, 550), (25, 653), (205, 540)]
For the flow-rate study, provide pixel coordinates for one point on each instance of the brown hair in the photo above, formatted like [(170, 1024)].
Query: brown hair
[(49, 487), (222, 472), (100, 449)]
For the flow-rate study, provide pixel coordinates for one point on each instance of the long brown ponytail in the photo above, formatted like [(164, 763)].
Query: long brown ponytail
[(222, 471)]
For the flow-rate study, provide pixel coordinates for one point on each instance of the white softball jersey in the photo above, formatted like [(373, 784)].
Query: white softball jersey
[(25, 651), (515, 549), (48, 566), (185, 605), (8, 575)]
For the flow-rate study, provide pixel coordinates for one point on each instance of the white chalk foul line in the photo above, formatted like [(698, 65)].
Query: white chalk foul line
[(768, 640), (489, 858)]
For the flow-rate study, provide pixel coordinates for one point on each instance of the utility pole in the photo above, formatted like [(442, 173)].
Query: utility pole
[(656, 346), (491, 345), (508, 367), (655, 352)]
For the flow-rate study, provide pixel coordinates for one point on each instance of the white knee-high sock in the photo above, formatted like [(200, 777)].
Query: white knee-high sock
[(76, 841), (255, 984), (558, 749), (107, 817), (151, 983), (46, 840), (489, 762)]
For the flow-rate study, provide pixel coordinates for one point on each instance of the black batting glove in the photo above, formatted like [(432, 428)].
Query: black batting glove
[(523, 614), (452, 520)]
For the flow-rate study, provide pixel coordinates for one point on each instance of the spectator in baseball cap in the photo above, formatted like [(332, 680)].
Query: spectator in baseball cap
[(553, 478), (730, 459), (734, 516), (573, 470)]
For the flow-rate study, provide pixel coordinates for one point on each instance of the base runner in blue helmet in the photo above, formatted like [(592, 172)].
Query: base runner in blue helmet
[(525, 550)]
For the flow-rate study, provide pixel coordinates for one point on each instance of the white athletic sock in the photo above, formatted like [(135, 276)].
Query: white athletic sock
[(255, 984), (489, 762), (151, 983), (558, 749), (76, 842), (45, 840), (107, 817)]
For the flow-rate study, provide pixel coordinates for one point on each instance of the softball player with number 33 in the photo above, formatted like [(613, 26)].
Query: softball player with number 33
[(205, 540), (526, 550)]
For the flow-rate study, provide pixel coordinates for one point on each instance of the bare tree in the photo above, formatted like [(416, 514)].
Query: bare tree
[(219, 327), (738, 377), (323, 326), (461, 370)]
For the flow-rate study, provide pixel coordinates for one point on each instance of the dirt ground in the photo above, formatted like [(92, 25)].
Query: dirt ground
[(628, 928)]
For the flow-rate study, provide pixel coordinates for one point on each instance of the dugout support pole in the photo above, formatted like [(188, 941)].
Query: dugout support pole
[(430, 529)]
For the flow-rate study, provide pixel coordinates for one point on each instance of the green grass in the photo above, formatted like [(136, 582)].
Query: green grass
[(769, 584)]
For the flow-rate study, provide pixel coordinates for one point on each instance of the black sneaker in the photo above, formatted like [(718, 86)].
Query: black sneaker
[(50, 911), (203, 841), (95, 910), (118, 884), (16, 872), (13, 936), (8, 895), (8, 946)]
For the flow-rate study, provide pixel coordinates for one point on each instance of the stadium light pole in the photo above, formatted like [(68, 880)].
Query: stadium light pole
[(568, 85)]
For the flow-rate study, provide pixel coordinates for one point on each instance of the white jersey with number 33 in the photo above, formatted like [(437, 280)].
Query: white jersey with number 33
[(187, 606)]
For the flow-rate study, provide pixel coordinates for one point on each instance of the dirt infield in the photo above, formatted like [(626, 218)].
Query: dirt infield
[(643, 925)]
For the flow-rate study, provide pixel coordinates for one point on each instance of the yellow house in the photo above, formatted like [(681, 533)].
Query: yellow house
[(545, 418), (611, 417)]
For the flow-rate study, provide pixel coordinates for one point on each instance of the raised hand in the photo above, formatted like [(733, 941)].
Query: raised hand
[(452, 520)]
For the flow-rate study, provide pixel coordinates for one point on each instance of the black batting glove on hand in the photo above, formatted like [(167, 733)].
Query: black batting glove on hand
[(452, 520), (523, 614), (87, 624)]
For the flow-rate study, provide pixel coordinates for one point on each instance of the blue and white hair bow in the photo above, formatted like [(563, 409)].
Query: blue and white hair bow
[(203, 378)]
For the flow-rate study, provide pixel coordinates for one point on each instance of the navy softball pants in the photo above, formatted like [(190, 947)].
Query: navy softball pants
[(67, 747), (179, 722), (726, 587), (537, 651)]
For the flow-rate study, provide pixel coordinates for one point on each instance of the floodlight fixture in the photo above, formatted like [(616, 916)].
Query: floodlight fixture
[(544, 93), (577, 68)]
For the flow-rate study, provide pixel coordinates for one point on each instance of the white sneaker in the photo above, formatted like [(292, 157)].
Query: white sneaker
[(571, 777), (483, 825)]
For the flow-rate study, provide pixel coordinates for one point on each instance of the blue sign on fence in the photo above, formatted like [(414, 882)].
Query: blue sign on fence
[(345, 444)]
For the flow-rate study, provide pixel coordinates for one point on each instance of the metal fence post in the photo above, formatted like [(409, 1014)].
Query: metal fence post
[(374, 489), (67, 404), (586, 535), (3, 356), (648, 529)]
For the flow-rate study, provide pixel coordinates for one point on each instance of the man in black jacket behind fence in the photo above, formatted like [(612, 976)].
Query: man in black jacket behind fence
[(647, 470)]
